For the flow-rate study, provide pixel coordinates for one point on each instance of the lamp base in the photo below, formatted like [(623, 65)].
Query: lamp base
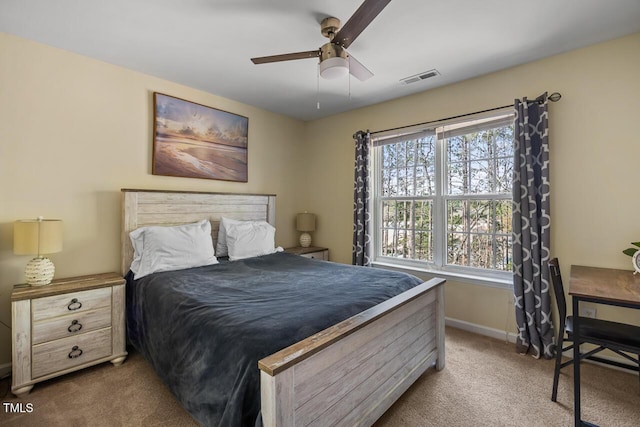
[(305, 240), (39, 271)]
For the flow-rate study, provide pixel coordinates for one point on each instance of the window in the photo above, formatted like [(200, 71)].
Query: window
[(442, 197)]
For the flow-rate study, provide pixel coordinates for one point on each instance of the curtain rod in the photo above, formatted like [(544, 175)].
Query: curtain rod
[(554, 97)]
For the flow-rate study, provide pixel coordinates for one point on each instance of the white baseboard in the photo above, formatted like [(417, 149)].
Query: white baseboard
[(511, 337), (481, 330), (5, 370)]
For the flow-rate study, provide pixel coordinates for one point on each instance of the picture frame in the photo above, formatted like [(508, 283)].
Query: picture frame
[(196, 141)]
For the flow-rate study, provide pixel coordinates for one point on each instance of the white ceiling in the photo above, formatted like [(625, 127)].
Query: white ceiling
[(207, 44)]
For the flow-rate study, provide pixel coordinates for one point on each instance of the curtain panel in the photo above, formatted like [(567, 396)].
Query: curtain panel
[(361, 200), (531, 228)]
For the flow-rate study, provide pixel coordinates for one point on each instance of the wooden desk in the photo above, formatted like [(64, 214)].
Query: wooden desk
[(602, 286)]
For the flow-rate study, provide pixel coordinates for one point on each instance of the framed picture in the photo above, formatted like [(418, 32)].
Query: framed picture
[(195, 141)]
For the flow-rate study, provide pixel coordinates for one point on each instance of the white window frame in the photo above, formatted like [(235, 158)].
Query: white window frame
[(494, 278)]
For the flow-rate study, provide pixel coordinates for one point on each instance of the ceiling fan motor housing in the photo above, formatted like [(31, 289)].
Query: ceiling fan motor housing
[(330, 50), (329, 27)]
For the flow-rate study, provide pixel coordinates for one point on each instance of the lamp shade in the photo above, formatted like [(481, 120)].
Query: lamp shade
[(306, 222), (37, 236)]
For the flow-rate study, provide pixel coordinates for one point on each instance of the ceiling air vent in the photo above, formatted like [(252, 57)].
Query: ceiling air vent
[(419, 77)]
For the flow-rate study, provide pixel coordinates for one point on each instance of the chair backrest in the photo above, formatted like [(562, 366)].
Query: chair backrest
[(556, 281)]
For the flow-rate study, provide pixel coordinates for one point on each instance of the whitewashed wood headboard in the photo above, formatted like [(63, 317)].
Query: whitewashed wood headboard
[(141, 208)]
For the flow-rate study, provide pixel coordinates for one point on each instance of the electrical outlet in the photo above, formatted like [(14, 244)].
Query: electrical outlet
[(588, 312)]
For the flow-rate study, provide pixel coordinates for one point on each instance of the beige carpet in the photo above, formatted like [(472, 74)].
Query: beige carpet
[(485, 383)]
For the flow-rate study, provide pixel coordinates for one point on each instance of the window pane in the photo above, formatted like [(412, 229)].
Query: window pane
[(408, 168), (480, 146), (389, 156), (423, 162), (424, 246), (503, 253), (504, 175), (481, 251), (479, 233), (456, 215), (401, 244), (480, 177), (503, 216), (480, 162), (458, 249), (423, 215), (401, 148), (457, 178), (426, 160), (503, 138), (407, 229), (458, 149), (389, 182), (389, 220), (480, 216), (421, 184), (402, 182)]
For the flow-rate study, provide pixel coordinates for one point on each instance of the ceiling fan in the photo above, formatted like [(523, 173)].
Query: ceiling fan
[(335, 61)]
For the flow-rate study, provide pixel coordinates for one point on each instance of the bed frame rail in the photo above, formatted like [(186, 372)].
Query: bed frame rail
[(352, 372)]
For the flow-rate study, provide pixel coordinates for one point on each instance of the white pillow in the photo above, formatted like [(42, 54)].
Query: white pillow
[(247, 239), (158, 248), (221, 246)]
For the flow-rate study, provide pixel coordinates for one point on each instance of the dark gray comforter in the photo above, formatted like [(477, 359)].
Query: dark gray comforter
[(204, 329)]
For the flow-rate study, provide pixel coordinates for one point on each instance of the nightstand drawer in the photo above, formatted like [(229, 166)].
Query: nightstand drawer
[(316, 255), (71, 325), (313, 252), (72, 302), (68, 352)]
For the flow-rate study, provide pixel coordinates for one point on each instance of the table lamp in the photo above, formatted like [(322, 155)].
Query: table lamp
[(305, 222), (37, 237)]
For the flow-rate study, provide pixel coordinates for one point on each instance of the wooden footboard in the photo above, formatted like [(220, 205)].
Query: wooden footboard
[(351, 373)]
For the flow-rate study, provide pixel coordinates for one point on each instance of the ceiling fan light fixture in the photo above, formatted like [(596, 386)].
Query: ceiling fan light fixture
[(333, 68)]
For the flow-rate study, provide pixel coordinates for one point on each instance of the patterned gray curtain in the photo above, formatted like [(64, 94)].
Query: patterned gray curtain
[(361, 214), (531, 228)]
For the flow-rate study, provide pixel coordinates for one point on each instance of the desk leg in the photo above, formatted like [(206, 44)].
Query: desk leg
[(576, 361)]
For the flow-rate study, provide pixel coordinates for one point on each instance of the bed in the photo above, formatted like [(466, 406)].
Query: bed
[(268, 365)]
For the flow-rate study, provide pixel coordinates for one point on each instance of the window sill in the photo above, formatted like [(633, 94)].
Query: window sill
[(456, 276)]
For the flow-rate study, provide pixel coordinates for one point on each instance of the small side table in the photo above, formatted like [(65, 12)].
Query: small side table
[(68, 325), (315, 252)]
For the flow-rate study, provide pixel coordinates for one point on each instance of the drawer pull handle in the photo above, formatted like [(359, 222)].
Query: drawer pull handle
[(75, 352), (75, 326), (74, 305)]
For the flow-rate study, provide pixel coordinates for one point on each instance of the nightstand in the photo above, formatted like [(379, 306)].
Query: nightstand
[(68, 325), (314, 252)]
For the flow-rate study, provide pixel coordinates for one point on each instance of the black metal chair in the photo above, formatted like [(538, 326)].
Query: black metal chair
[(617, 337)]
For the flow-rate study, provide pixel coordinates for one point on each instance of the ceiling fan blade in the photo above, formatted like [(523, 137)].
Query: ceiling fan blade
[(286, 57), (358, 70), (359, 21)]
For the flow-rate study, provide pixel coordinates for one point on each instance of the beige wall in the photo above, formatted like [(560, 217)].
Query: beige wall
[(73, 131), (595, 152)]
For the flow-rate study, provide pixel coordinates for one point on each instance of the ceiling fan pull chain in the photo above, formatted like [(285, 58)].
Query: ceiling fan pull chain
[(349, 77), (318, 87)]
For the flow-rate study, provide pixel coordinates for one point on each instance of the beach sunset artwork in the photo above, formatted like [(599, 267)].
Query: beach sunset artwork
[(196, 141)]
